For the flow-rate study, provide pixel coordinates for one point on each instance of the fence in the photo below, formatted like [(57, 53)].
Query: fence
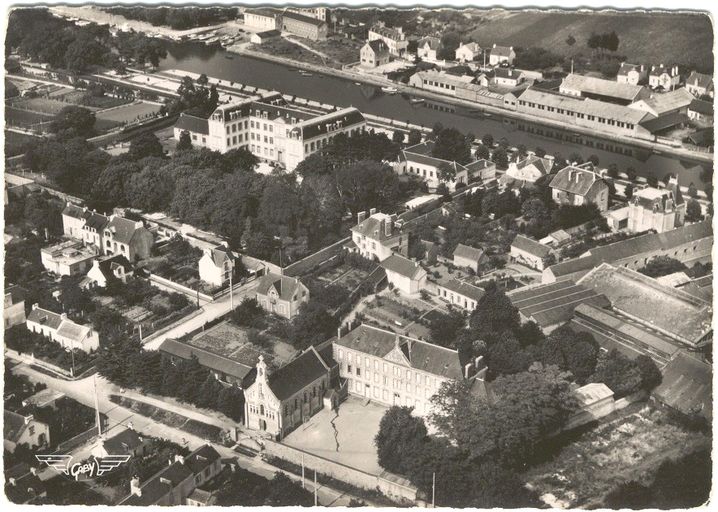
[(154, 278), (387, 483), (308, 264)]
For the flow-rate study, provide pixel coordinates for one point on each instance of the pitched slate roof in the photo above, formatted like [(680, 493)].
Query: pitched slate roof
[(543, 165), (123, 443), (687, 385), (664, 122), (702, 107), (220, 254), (699, 80), (16, 293), (304, 19), (471, 253), (285, 286), (585, 106), (297, 374), (201, 458), (433, 359), (464, 289), (269, 33), (192, 124), (207, 359), (75, 211), (554, 303), (627, 68), (507, 73), (501, 51), (531, 246), (601, 87), (45, 317), (107, 265), (371, 227), (659, 70), (27, 486), (159, 485), (433, 42), (575, 180), (402, 266), (378, 46), (472, 47), (388, 32), (73, 331), (667, 101), (13, 426), (320, 125), (96, 221), (670, 311), (123, 230)]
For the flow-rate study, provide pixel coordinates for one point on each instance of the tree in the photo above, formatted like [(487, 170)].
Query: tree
[(483, 152), (452, 145), (571, 351), (505, 356), (662, 266), (414, 137), (185, 141), (570, 40), (249, 313), (445, 327), (446, 172), (500, 158), (397, 137), (74, 121), (400, 436), (367, 184), (488, 140), (694, 212), (628, 190), (313, 324), (619, 373), (145, 145), (494, 313)]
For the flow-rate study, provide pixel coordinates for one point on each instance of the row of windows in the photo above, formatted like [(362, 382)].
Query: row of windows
[(385, 395), (579, 115), (234, 126), (396, 371), (440, 85), (420, 171), (399, 384)]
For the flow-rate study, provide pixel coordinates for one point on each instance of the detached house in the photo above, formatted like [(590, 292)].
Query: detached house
[(405, 275), (61, 330), (376, 238), (469, 257), (467, 52), (579, 184), (664, 77), (460, 293), (279, 402), (107, 269), (19, 429), (216, 266), (528, 170), (14, 306), (394, 38), (632, 74), (128, 238), (374, 53), (529, 252), (427, 48), (73, 220), (281, 295), (500, 54), (699, 84), (656, 209)]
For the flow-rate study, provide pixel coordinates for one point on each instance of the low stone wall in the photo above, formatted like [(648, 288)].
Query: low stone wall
[(154, 278), (388, 484)]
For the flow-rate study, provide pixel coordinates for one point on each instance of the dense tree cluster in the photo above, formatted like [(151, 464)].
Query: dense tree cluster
[(606, 41), (662, 266), (176, 18), (64, 45), (247, 489), (535, 58)]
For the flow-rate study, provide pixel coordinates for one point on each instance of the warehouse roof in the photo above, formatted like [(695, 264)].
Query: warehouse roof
[(602, 87)]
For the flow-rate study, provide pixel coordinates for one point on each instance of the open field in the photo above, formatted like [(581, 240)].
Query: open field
[(338, 49), (43, 105), (628, 448), (345, 276), (646, 38), (127, 113), (283, 48)]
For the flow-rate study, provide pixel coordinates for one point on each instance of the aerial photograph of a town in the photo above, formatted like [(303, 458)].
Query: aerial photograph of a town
[(328, 255)]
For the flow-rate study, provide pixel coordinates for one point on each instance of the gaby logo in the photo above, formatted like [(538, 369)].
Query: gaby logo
[(89, 469)]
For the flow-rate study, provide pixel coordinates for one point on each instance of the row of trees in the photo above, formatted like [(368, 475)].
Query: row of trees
[(63, 45), (176, 18)]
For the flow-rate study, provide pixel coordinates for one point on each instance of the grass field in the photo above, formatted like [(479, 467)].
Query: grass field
[(15, 142), (646, 38), (17, 117), (127, 113), (43, 105)]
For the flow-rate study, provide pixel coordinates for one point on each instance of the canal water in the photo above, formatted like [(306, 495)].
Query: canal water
[(213, 61)]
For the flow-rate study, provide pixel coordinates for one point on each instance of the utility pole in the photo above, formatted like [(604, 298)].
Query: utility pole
[(315, 488), (97, 405), (72, 354), (433, 490), (303, 486), (140, 333), (231, 294)]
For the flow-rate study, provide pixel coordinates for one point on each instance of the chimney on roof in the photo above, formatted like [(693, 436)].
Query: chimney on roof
[(494, 45), (35, 306), (27, 419), (467, 368), (63, 316), (360, 217), (135, 486), (372, 211), (397, 341), (179, 458), (387, 227)]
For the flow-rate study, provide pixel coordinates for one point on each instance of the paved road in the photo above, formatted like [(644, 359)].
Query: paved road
[(82, 391), (209, 312)]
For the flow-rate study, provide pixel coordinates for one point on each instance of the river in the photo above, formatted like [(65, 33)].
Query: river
[(199, 58)]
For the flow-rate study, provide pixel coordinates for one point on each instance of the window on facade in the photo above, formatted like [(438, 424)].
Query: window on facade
[(358, 371), (349, 368)]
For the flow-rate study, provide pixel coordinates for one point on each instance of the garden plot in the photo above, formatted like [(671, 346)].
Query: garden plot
[(346, 276), (631, 447), (399, 313), (126, 114)]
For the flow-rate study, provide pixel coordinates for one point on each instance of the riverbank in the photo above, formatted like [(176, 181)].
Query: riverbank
[(655, 147)]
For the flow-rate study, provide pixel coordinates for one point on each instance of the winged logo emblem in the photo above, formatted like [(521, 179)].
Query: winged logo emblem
[(60, 463), (89, 469)]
